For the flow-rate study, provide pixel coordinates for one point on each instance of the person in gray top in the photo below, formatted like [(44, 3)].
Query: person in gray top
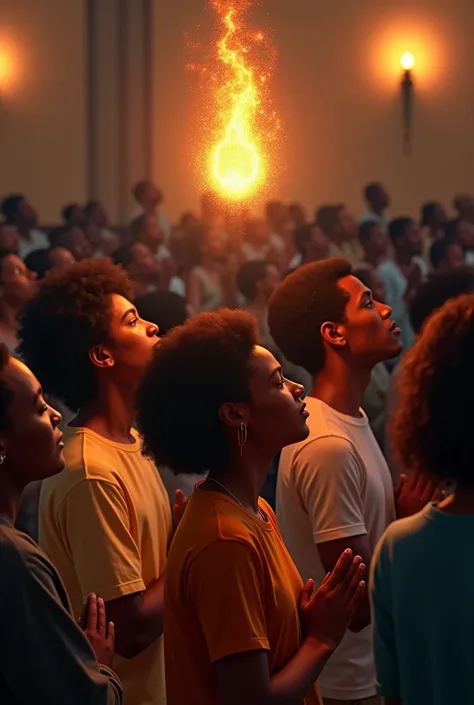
[(45, 657)]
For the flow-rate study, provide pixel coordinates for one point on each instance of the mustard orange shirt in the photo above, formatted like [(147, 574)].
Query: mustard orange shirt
[(230, 587), (105, 522)]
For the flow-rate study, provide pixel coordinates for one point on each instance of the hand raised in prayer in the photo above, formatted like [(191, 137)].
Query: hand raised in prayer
[(327, 614), (413, 492), (100, 635)]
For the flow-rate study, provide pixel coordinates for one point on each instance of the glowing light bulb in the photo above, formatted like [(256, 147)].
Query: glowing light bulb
[(407, 61)]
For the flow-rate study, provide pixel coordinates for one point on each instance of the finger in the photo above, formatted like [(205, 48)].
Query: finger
[(358, 595), (428, 492), (306, 592), (101, 620), (340, 569), (326, 578), (92, 612), (351, 572), (82, 619), (357, 578), (179, 498), (421, 482), (401, 481), (111, 634)]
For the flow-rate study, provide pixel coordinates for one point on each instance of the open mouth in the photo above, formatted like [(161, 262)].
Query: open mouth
[(394, 329), (60, 443), (303, 411)]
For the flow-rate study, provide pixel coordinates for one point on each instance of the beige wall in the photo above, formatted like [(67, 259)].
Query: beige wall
[(336, 88), (42, 102)]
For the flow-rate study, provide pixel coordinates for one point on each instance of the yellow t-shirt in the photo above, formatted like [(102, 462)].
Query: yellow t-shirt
[(105, 522), (230, 587)]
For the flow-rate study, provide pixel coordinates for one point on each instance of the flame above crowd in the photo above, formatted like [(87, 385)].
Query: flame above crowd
[(240, 149)]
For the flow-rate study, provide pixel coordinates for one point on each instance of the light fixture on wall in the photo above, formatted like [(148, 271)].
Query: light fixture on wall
[(407, 62)]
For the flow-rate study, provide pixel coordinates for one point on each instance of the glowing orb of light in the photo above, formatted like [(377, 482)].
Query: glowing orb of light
[(237, 159), (407, 61)]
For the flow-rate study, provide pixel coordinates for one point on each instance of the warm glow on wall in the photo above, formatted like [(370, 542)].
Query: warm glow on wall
[(9, 68), (405, 44)]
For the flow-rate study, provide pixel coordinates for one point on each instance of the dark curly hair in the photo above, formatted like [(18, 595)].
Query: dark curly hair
[(209, 357), (70, 314), (436, 290), (301, 304), (5, 392), (432, 426)]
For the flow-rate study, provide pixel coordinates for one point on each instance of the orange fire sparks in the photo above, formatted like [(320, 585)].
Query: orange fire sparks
[(238, 156)]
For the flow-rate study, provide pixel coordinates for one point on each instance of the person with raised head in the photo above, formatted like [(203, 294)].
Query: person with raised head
[(73, 214), (340, 227), (147, 230), (97, 227), (421, 573), (403, 274), (44, 655), (74, 239), (239, 625), (52, 259), (106, 520), (149, 199), (435, 291), (17, 286), (446, 254), (141, 266), (311, 245), (334, 488), (211, 282), (432, 222), (17, 211), (374, 242), (378, 201)]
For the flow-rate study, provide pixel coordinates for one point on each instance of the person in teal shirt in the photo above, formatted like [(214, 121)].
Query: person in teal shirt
[(422, 572)]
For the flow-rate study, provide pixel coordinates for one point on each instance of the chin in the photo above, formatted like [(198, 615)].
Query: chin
[(300, 434)]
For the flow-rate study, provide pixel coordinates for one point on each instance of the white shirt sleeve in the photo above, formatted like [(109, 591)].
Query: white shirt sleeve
[(329, 480)]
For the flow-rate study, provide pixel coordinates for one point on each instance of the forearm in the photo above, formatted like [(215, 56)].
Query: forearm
[(291, 685), (138, 619)]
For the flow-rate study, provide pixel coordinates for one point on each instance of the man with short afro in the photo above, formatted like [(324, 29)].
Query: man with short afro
[(334, 489), (105, 521)]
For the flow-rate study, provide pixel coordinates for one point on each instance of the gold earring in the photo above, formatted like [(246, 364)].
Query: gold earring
[(242, 437), (2, 458)]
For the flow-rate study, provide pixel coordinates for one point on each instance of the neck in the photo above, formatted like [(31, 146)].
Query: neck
[(377, 211), (10, 496), (245, 476), (9, 318), (111, 414), (341, 387), (461, 501)]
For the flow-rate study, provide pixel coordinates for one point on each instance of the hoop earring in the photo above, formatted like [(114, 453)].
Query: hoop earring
[(242, 437), (2, 458)]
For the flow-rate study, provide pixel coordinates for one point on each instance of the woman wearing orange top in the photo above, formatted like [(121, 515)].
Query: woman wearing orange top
[(239, 625)]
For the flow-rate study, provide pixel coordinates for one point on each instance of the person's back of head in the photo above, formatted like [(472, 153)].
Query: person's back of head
[(72, 238), (327, 217), (436, 290), (446, 253), (405, 235), (376, 196), (72, 214), (428, 213), (123, 256), (163, 308), (299, 307), (69, 317), (249, 276), (39, 262), (432, 426), (11, 206)]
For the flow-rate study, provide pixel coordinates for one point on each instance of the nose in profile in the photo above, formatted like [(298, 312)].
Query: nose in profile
[(152, 329), (384, 310)]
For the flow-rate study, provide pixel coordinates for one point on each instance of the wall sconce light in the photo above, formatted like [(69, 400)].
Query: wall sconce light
[(407, 62)]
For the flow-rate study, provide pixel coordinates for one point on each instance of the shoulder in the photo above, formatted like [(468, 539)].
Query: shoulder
[(21, 558), (326, 449)]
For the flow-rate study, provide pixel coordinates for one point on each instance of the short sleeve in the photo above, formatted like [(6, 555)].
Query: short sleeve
[(95, 520), (329, 481), (385, 651), (228, 572)]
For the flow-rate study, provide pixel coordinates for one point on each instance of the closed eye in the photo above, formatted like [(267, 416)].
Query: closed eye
[(133, 322), (281, 383)]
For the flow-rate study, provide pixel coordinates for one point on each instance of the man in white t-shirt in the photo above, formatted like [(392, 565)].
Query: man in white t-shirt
[(334, 489)]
